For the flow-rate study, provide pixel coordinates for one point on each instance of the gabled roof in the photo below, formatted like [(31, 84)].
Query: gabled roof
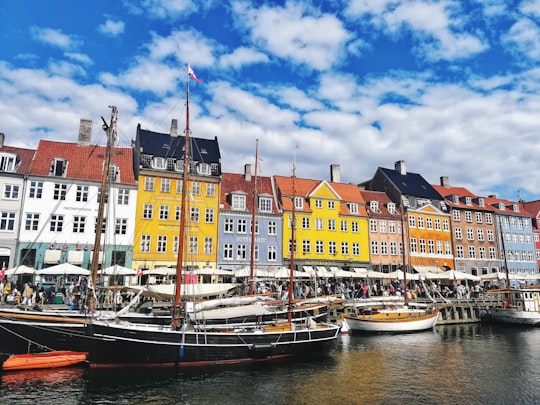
[(83, 162), (493, 202), (447, 192), (165, 145), (348, 193), (24, 157), (411, 184), (532, 207), (233, 182)]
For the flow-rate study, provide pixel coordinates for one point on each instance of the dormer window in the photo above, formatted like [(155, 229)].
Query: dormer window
[(481, 202), (265, 204), (299, 203), (238, 202), (179, 166), (159, 163), (455, 199), (114, 173), (58, 167), (353, 208), (204, 151), (391, 208), (7, 162), (515, 207), (468, 200), (203, 168), (501, 206), (374, 206)]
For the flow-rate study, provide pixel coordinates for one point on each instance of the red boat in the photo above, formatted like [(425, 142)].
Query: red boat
[(34, 361)]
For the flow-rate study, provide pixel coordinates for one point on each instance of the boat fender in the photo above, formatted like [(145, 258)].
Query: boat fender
[(505, 304), (181, 351)]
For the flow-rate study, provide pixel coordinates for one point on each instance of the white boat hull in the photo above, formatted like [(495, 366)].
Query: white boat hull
[(408, 321)]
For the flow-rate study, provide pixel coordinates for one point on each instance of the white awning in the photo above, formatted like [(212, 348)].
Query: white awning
[(75, 256), (52, 256), (100, 257)]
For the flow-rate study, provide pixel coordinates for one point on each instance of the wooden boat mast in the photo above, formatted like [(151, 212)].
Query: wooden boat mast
[(405, 262), (109, 130), (183, 206), (505, 262), (293, 244), (253, 215)]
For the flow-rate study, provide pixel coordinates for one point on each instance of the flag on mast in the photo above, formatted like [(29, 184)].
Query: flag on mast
[(191, 74)]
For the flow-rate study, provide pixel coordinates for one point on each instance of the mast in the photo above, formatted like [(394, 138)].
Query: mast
[(405, 264), (109, 129), (505, 262), (253, 212), (293, 245), (183, 206)]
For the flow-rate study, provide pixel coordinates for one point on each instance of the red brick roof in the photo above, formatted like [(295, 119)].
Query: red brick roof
[(231, 182), (84, 162), (24, 156), (383, 200)]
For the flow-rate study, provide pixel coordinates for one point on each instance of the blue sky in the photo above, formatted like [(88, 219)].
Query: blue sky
[(451, 87)]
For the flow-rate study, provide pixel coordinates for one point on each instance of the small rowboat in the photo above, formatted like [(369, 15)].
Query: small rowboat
[(33, 361)]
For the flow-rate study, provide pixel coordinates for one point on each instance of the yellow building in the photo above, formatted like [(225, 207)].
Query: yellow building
[(331, 223), (160, 172)]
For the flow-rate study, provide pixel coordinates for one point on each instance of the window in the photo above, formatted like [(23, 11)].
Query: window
[(228, 225), (422, 245), (7, 162), (210, 189), (272, 253), (468, 216), (194, 214), (241, 226), (120, 227), (458, 233), (391, 208), (319, 247), (179, 186), (447, 247), (114, 173), (460, 252), (437, 224), (374, 247), (318, 203), (306, 246), (373, 225), (145, 243), (332, 248), (343, 226), (35, 189), (58, 167), (159, 163), (345, 248), (79, 224), (391, 226), (429, 223), (57, 222), (356, 249), (319, 224), (265, 204), (414, 245), (165, 185), (439, 247), (382, 226), (228, 251), (374, 206), (99, 196), (123, 196), (32, 222), (354, 227), (193, 244), (7, 221), (480, 233), (208, 245), (299, 203), (457, 215), (412, 221), (472, 252), (196, 188), (209, 216), (238, 202), (431, 246), (177, 213), (489, 218), (164, 212), (175, 244), (148, 211), (161, 244), (470, 234), (272, 228), (420, 222), (331, 205), (103, 225), (241, 252), (306, 223), (149, 184), (60, 191), (478, 216), (353, 208), (446, 225), (11, 191), (81, 194), (331, 224), (482, 252), (203, 168)]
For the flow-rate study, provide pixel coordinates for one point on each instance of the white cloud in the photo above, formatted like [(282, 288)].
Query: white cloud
[(241, 57), (295, 32), (523, 38), (79, 57), (185, 46), (54, 37), (112, 28)]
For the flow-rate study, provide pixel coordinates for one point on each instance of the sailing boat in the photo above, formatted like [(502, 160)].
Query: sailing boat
[(119, 344), (391, 317), (521, 306)]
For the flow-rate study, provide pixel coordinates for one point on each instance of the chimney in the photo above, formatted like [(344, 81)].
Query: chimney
[(334, 173), (247, 172), (400, 167), (444, 181), (492, 196), (85, 132), (2, 138), (174, 127)]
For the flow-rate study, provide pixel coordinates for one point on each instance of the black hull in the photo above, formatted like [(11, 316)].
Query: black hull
[(137, 345)]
